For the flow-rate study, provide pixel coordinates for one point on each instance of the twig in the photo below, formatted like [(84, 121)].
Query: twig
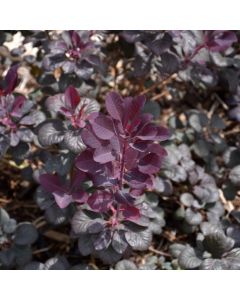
[(231, 132), (38, 220), (4, 200), (159, 96), (57, 236), (93, 263), (42, 250), (212, 109), (159, 84), (224, 105), (158, 252), (227, 204)]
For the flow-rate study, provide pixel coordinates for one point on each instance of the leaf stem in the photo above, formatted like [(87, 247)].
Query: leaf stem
[(195, 52), (122, 163)]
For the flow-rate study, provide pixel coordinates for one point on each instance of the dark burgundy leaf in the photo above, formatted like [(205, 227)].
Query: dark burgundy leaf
[(79, 196), (149, 132), (75, 38), (133, 106), (140, 145), (85, 162), (114, 105), (11, 79), (149, 164), (157, 149), (162, 134), (220, 40), (51, 183), (100, 201), (90, 139), (130, 212), (124, 198), (103, 127), (72, 98), (17, 106)]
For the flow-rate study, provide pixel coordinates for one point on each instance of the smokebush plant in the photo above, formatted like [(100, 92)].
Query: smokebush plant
[(121, 157)]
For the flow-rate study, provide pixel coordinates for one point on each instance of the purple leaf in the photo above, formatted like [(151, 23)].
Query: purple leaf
[(131, 158), (157, 149), (133, 107), (137, 192), (149, 132), (140, 145), (66, 112), (100, 201), (77, 178), (85, 162), (62, 199), (162, 134), (138, 180), (103, 127), (103, 154), (72, 98), (136, 105), (79, 196), (62, 194), (115, 144), (76, 41), (51, 183), (17, 106), (114, 105), (220, 40), (150, 164), (90, 139), (130, 212), (11, 79), (124, 198)]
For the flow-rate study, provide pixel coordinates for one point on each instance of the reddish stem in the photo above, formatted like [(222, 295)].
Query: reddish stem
[(195, 52), (122, 164)]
